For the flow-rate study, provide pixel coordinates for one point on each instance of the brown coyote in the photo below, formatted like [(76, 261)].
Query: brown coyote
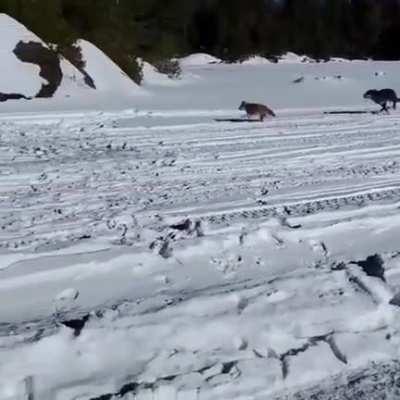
[(253, 109)]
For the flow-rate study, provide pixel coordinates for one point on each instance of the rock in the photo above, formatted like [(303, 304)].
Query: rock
[(182, 226), (373, 266), (12, 96), (47, 60), (395, 301), (76, 324)]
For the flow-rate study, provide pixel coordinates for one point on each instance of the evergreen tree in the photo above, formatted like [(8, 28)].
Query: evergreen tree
[(232, 29)]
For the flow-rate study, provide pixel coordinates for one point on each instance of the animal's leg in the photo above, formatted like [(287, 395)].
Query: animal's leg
[(394, 104), (387, 109)]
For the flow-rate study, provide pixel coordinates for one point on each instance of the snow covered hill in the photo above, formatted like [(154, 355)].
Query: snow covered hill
[(21, 75), (24, 77), (108, 77), (146, 249)]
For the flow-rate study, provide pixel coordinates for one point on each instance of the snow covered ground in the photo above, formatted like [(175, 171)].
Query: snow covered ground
[(203, 259)]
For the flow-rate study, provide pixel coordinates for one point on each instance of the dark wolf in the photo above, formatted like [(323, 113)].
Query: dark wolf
[(254, 109), (382, 97)]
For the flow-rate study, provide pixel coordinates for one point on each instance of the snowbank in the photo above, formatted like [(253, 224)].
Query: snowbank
[(198, 59), (15, 75), (151, 76), (107, 76), (21, 77)]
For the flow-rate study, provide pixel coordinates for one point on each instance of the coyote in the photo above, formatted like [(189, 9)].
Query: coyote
[(253, 109), (382, 97)]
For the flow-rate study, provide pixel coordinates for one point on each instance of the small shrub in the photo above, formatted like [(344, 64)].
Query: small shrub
[(171, 68), (73, 54), (133, 68)]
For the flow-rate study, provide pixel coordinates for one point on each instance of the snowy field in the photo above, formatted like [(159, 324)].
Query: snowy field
[(209, 260)]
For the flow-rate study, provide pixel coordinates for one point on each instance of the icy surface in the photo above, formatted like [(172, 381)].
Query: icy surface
[(216, 260)]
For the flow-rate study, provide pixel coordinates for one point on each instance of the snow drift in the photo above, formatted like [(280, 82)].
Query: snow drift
[(30, 69), (107, 76)]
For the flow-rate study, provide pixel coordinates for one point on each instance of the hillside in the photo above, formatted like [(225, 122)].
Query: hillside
[(33, 76)]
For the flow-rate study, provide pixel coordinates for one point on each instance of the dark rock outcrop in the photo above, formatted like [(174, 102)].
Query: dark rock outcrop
[(395, 301), (373, 266), (50, 69), (76, 324), (73, 54), (47, 60), (12, 96)]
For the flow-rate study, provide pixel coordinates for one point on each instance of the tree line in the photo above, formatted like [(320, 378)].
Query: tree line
[(230, 29)]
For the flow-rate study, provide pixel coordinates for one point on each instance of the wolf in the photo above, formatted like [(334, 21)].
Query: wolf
[(382, 97), (254, 109)]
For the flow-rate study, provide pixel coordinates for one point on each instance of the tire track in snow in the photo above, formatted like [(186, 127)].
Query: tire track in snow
[(57, 175)]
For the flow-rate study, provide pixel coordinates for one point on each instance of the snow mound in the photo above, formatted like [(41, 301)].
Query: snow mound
[(293, 58), (107, 76), (151, 76), (256, 60), (15, 75), (198, 59)]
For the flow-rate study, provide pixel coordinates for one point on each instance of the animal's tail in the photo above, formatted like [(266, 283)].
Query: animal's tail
[(271, 113)]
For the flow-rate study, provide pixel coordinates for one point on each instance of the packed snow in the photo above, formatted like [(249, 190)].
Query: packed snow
[(147, 249)]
